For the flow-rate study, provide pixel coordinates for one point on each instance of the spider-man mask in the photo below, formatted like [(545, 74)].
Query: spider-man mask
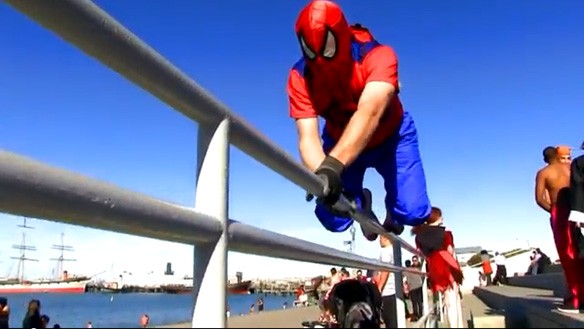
[(325, 40)]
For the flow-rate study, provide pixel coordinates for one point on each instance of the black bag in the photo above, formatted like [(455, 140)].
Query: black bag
[(356, 304)]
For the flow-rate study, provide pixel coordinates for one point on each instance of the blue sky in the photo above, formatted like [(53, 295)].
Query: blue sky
[(489, 85)]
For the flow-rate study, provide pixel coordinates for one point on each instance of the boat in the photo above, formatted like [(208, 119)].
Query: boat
[(65, 284), (69, 286), (239, 287)]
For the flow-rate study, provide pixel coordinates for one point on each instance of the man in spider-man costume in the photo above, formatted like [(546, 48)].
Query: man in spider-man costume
[(350, 80)]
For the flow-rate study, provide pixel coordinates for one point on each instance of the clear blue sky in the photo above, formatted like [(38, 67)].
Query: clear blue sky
[(488, 83)]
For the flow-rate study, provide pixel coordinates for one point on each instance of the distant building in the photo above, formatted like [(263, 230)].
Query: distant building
[(465, 253), (169, 270)]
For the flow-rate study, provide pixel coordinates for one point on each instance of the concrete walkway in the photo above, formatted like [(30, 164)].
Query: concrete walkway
[(288, 318), (484, 317)]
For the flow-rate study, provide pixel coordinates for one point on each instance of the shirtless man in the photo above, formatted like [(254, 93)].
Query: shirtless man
[(552, 194)]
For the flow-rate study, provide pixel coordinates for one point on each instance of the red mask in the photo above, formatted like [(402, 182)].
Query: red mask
[(325, 40)]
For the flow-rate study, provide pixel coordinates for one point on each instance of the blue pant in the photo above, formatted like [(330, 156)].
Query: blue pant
[(398, 161)]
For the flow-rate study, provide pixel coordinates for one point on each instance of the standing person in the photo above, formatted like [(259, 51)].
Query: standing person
[(501, 271), (577, 196), (487, 268), (415, 283), (577, 188), (444, 272), (260, 305), (386, 284), (350, 80), (32, 318), (552, 194)]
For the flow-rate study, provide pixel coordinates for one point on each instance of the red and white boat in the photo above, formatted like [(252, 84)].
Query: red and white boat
[(67, 286), (63, 284)]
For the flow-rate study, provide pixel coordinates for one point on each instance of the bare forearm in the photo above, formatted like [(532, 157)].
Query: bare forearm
[(312, 154), (382, 280), (356, 136)]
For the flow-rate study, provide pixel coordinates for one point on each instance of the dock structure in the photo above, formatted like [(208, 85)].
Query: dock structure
[(273, 287)]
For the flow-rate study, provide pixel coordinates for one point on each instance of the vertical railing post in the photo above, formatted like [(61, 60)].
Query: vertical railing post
[(210, 264), (425, 303), (400, 310)]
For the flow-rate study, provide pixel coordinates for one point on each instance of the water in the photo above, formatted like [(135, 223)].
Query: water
[(124, 311)]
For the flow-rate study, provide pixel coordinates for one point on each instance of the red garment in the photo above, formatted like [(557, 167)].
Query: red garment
[(338, 61), (565, 233), (487, 269), (443, 269)]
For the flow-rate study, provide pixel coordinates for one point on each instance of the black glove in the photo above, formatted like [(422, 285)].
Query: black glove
[(331, 170)]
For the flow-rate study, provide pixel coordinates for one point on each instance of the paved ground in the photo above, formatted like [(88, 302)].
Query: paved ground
[(289, 318), (293, 317)]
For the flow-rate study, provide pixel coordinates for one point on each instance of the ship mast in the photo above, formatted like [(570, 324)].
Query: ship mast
[(62, 248), (23, 249)]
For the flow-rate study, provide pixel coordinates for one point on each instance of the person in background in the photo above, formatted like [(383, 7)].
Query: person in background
[(45, 319), (487, 269), (144, 320), (370, 276), (444, 271), (415, 283), (4, 313), (344, 274), (89, 324), (334, 278), (416, 262), (543, 261), (386, 284), (501, 272), (260, 304), (359, 276), (407, 300), (32, 319), (553, 195)]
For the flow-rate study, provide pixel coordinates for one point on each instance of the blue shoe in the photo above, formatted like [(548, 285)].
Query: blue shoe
[(367, 205)]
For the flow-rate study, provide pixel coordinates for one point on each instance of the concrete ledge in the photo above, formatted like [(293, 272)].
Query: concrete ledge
[(528, 307), (554, 268), (554, 281)]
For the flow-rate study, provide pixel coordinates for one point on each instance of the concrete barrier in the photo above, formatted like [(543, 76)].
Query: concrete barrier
[(528, 307), (554, 281)]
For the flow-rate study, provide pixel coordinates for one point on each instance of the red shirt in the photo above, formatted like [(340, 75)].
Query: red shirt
[(379, 64)]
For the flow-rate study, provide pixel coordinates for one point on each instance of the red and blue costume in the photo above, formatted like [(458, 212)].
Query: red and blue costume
[(338, 61)]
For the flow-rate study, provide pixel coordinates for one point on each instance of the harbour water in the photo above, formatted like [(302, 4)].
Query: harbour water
[(124, 310)]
